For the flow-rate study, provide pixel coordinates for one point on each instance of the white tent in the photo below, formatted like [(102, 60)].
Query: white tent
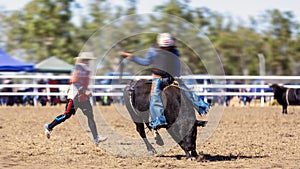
[(54, 65)]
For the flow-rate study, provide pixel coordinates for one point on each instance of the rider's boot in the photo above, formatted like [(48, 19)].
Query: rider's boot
[(157, 118), (201, 106)]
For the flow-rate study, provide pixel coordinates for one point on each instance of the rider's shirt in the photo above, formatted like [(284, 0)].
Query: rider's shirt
[(161, 61)]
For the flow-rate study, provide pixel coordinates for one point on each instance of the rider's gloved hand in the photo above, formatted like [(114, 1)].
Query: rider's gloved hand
[(125, 54)]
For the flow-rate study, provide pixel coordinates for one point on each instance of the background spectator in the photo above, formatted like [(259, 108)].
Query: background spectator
[(54, 100), (42, 98), (7, 100)]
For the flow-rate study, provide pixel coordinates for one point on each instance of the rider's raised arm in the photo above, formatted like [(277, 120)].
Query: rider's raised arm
[(151, 54)]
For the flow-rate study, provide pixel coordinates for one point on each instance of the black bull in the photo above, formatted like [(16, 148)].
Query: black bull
[(286, 96), (180, 115)]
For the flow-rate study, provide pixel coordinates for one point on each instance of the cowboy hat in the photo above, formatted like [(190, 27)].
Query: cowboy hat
[(7, 81), (85, 56)]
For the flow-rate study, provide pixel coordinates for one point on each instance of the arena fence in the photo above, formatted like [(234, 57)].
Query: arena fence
[(220, 87)]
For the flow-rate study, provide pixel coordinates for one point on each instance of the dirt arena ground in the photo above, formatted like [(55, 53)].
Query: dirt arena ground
[(247, 137)]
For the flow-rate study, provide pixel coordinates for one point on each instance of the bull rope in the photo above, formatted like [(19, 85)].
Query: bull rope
[(286, 96), (176, 84)]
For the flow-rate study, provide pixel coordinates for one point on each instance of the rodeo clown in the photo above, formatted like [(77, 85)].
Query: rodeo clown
[(78, 97), (165, 64)]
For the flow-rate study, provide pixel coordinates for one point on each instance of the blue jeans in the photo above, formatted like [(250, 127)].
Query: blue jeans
[(156, 106), (201, 106)]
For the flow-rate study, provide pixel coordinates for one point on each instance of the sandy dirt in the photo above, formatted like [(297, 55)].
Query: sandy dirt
[(247, 137)]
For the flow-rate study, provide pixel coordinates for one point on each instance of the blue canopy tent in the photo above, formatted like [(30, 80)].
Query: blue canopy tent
[(9, 64)]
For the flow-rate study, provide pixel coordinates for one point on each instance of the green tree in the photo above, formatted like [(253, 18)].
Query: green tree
[(238, 50), (278, 42), (45, 29), (10, 31), (178, 8)]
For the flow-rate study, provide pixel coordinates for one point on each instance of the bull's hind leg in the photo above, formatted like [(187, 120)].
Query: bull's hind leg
[(191, 156), (187, 154), (194, 153), (141, 130)]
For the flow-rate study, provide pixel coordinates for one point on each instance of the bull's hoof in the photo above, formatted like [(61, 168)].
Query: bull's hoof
[(152, 152), (191, 158), (194, 153)]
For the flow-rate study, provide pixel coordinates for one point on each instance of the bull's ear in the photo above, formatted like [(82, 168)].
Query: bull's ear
[(271, 85), (280, 84)]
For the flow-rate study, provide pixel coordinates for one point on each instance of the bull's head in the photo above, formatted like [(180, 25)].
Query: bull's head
[(276, 86)]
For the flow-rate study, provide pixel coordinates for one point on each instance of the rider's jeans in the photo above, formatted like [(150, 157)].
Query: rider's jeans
[(156, 105), (198, 103)]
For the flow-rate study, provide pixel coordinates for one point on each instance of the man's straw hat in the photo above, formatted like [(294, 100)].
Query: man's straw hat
[(85, 56)]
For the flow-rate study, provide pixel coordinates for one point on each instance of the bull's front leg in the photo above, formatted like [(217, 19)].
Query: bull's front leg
[(141, 130), (150, 148), (284, 109)]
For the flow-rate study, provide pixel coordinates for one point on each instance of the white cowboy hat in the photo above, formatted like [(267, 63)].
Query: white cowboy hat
[(6, 81), (85, 56)]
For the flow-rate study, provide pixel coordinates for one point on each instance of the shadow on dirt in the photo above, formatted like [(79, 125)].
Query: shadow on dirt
[(213, 158)]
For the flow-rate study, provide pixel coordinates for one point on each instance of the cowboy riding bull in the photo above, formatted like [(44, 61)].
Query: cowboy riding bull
[(159, 105)]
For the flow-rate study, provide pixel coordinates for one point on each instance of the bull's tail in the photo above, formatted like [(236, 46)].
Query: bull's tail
[(129, 95)]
